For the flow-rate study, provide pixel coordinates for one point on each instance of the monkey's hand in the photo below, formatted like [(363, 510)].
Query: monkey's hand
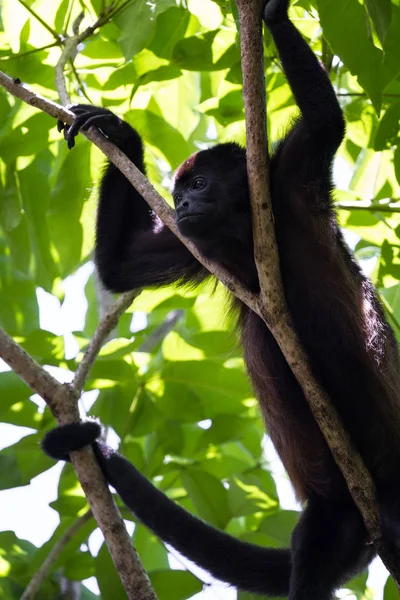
[(275, 10), (61, 441), (86, 115)]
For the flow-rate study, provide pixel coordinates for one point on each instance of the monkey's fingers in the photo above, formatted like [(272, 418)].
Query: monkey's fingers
[(60, 125)]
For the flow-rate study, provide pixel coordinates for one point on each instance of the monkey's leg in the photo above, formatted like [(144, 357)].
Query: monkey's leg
[(329, 545)]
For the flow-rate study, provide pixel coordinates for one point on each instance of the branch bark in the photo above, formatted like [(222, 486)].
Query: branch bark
[(106, 325), (62, 401), (136, 178), (271, 302)]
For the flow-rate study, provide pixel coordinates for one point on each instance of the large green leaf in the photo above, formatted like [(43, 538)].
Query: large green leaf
[(175, 585), (208, 496), (345, 28)]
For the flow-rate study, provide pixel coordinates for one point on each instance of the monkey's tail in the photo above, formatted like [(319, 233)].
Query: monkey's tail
[(246, 566)]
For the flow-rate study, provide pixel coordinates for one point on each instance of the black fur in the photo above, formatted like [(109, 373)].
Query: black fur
[(335, 311)]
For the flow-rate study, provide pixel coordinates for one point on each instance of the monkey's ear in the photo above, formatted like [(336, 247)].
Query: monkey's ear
[(61, 441)]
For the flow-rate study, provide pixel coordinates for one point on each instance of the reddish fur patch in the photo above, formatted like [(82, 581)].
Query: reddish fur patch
[(186, 167)]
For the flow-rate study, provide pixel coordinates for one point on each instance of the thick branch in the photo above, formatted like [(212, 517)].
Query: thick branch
[(272, 305), (61, 400)]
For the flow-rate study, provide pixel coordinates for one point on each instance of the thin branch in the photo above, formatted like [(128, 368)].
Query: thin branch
[(162, 331), (79, 80), (106, 325), (388, 208), (67, 53), (271, 303), (69, 14), (12, 56), (46, 567), (54, 33), (390, 311), (364, 94)]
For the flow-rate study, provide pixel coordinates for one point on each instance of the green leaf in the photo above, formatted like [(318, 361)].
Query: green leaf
[(19, 312), (66, 204), (345, 28), (388, 129), (380, 12), (175, 585), (79, 566), (109, 582), (22, 461), (157, 132), (391, 592), (279, 526), (152, 552), (208, 496)]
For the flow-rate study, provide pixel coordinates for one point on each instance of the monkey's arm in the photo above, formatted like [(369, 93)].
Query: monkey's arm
[(244, 565), (132, 249), (308, 80)]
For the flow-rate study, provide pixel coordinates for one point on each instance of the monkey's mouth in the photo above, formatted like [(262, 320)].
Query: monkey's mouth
[(188, 217)]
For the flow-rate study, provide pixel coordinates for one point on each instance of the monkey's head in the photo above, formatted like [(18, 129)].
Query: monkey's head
[(211, 194)]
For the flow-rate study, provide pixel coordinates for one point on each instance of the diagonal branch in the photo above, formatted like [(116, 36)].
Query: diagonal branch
[(106, 325), (137, 179), (61, 400), (272, 305), (45, 568)]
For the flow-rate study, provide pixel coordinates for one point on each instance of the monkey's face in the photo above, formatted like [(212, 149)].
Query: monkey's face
[(211, 195), (196, 210)]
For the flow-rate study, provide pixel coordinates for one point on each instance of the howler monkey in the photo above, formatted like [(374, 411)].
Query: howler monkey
[(336, 313)]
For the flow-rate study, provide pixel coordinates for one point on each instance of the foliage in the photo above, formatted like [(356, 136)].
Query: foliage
[(184, 411)]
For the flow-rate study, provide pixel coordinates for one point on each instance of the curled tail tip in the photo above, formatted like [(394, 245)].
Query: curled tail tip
[(61, 441)]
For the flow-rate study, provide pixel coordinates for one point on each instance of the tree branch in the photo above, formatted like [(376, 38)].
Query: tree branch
[(61, 400), (271, 303), (372, 207), (136, 178), (106, 325), (42, 573), (54, 33)]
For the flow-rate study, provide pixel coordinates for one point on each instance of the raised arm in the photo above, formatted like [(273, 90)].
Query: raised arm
[(133, 249), (310, 84)]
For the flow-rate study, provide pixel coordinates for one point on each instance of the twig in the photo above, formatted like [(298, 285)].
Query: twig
[(388, 208), (162, 331), (61, 400), (54, 33), (68, 51), (272, 305), (79, 80), (42, 573), (107, 324), (69, 14), (13, 56)]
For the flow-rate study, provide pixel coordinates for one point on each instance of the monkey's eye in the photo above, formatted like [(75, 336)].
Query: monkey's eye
[(199, 183), (177, 198)]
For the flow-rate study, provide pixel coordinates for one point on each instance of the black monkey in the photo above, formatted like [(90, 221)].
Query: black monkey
[(336, 314)]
